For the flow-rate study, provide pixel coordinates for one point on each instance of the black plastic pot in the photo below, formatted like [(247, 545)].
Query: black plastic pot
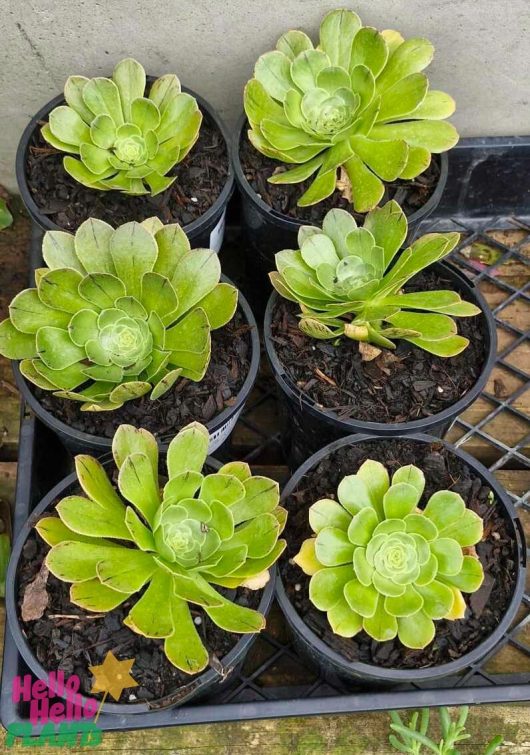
[(219, 427), (206, 231), (268, 231), (332, 662), (205, 684), (306, 427)]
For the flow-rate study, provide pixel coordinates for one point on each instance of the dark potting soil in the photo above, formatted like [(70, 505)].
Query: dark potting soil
[(400, 385), (497, 552), (69, 639), (257, 168), (185, 402), (201, 177)]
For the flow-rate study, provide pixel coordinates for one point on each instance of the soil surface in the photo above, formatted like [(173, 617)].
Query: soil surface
[(497, 553), (201, 177), (67, 638), (398, 386), (257, 168), (186, 402)]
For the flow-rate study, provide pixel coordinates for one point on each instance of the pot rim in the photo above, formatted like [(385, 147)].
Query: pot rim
[(199, 684), (195, 226), (380, 673), (293, 224), (418, 425), (98, 442)]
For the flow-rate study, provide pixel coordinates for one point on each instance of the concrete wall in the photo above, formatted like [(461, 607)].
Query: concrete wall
[(482, 58)]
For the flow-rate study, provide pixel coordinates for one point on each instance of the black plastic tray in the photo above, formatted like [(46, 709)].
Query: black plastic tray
[(488, 187)]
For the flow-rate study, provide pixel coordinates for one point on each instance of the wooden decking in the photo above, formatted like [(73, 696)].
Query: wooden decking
[(337, 735)]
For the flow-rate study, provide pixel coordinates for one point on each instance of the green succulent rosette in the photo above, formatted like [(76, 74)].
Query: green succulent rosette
[(167, 547), (124, 140), (357, 101), (381, 564), (117, 314), (348, 282)]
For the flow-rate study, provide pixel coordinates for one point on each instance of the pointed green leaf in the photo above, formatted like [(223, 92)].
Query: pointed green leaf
[(361, 598), (369, 49), (134, 252), (262, 495), (139, 485), (219, 305), (400, 500), (386, 159), (437, 599), (58, 289), (196, 274), (273, 70), (343, 621), (333, 548), (467, 530), (407, 604), (58, 251), (326, 587), (125, 569), (92, 246), (449, 555), (444, 507), (188, 450), (92, 595), (28, 313), (77, 561), (328, 513), (382, 626), (222, 487), (354, 493), (367, 189), (363, 570), (68, 126), (436, 106), (184, 648), (469, 578), (102, 97), (89, 518), (54, 531), (436, 136), (362, 526), (409, 57), (139, 533), (234, 618), (73, 94), (151, 614), (416, 631), (56, 349), (337, 33)]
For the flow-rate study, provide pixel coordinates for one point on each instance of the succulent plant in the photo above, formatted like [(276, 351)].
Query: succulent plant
[(117, 313), (124, 139), (379, 563), (346, 285), (358, 101), (199, 530)]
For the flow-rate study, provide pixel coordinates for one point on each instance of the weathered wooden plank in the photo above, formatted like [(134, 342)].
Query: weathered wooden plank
[(360, 734)]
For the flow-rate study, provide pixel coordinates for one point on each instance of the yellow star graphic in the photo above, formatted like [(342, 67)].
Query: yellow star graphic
[(113, 676)]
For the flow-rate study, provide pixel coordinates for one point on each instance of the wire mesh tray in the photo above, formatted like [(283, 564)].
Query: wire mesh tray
[(487, 201)]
